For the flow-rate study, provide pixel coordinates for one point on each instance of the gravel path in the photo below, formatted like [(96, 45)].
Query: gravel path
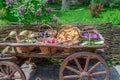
[(51, 72)]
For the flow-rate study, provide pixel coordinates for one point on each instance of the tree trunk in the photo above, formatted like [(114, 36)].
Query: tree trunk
[(66, 4)]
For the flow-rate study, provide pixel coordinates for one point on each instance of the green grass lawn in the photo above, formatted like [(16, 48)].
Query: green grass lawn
[(80, 14)]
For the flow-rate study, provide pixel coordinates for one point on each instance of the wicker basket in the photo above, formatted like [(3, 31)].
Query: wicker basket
[(47, 50), (24, 49), (70, 43), (49, 29), (69, 35), (69, 51), (97, 37)]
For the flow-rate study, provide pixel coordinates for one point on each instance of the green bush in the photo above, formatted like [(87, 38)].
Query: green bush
[(29, 11)]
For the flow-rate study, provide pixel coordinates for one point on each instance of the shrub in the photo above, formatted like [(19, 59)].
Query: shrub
[(30, 11), (95, 9)]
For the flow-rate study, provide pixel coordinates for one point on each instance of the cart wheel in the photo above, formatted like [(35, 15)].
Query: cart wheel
[(10, 71), (84, 66)]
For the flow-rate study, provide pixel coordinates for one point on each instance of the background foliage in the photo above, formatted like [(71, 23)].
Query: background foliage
[(78, 13), (29, 11)]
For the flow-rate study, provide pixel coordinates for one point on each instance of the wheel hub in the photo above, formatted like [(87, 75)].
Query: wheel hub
[(6, 77), (84, 74)]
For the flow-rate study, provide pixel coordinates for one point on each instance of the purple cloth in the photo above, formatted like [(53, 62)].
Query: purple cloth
[(87, 35)]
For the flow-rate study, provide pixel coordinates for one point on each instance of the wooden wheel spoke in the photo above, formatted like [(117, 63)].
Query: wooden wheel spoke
[(1, 78), (2, 70), (71, 76), (83, 79), (79, 79), (87, 63), (78, 64), (93, 79), (88, 72), (7, 70), (93, 67), (1, 74), (72, 69), (16, 77), (13, 72), (98, 73)]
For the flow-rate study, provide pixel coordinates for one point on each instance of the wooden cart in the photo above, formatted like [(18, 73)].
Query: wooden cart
[(78, 63)]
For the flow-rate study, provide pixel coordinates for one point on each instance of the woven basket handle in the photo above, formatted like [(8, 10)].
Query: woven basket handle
[(62, 26), (45, 25), (49, 29)]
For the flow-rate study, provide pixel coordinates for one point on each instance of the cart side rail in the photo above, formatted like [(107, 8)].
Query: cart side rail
[(51, 45)]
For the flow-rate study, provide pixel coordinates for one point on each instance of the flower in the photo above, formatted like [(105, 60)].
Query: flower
[(48, 10), (30, 11), (8, 2), (55, 19), (38, 12), (45, 3), (21, 10)]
